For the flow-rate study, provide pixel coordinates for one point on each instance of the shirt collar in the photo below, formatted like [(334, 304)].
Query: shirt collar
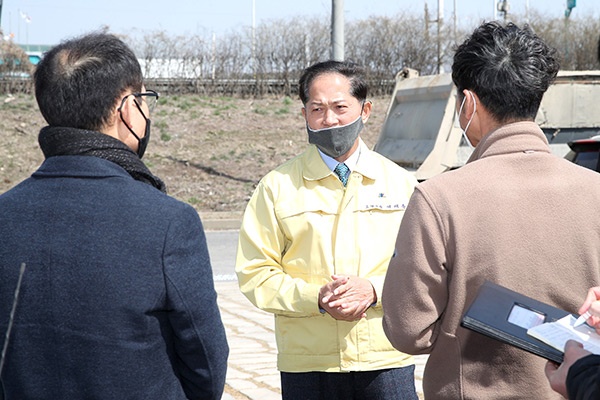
[(365, 163), (350, 162)]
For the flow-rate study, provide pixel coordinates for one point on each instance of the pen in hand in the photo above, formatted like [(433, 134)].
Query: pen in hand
[(582, 318)]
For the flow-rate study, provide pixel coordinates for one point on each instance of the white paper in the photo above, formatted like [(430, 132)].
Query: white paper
[(524, 317), (557, 333)]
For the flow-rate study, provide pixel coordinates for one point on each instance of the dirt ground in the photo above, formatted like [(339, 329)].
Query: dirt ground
[(211, 152)]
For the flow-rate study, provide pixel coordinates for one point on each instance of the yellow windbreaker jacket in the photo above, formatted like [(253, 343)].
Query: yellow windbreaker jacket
[(300, 227)]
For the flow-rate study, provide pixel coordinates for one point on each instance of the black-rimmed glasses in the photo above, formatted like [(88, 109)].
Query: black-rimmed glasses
[(149, 96)]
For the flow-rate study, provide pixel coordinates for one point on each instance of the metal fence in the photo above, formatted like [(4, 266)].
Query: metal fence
[(208, 87), (15, 84)]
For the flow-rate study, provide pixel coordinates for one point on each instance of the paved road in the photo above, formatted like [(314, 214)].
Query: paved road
[(222, 247), (252, 372)]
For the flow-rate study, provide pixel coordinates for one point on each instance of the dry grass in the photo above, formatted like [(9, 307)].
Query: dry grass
[(211, 152)]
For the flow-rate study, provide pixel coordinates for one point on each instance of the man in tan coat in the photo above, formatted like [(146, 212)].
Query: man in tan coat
[(514, 214)]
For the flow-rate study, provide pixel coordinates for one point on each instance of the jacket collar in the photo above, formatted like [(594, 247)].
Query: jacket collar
[(516, 137), (79, 166)]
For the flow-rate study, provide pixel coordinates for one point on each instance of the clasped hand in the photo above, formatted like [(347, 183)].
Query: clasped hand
[(347, 298)]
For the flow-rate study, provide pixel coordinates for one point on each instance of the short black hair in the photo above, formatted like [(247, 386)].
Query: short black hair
[(510, 69), (78, 82), (355, 73)]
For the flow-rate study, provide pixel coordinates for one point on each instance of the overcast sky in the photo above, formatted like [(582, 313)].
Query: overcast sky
[(50, 21)]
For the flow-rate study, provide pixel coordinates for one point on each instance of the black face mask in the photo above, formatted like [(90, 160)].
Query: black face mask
[(142, 142)]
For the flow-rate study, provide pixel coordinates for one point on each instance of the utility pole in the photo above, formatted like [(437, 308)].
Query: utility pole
[(254, 39), (570, 5), (455, 22), (440, 24), (213, 57), (337, 30)]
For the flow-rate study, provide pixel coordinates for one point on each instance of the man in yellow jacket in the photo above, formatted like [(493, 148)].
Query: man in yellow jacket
[(315, 244)]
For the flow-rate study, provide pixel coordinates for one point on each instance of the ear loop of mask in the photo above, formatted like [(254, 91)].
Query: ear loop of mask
[(142, 142), (464, 131)]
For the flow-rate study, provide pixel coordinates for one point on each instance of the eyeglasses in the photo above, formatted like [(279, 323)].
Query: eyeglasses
[(150, 96)]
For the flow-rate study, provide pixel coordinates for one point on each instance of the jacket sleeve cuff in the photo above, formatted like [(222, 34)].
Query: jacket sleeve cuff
[(377, 282), (310, 295), (583, 378)]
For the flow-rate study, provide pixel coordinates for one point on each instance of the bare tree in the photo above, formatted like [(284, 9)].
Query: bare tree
[(316, 41), (15, 67), (387, 45), (271, 60), (193, 52), (231, 63), (282, 49), (575, 38)]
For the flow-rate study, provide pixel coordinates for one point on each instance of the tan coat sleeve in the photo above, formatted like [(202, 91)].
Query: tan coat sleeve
[(415, 289)]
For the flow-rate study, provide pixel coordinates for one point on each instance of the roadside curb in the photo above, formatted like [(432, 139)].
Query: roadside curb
[(218, 221)]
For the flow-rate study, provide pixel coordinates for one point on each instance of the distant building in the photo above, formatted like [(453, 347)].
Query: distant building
[(35, 51), (154, 68)]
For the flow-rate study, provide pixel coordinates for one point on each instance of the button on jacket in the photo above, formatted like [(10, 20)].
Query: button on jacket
[(300, 227)]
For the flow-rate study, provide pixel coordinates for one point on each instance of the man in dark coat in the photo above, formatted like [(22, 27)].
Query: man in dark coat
[(117, 299)]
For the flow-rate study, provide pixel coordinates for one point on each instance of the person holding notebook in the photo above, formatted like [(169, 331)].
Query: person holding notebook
[(578, 377)]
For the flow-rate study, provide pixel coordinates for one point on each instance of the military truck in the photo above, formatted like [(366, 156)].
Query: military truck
[(421, 131)]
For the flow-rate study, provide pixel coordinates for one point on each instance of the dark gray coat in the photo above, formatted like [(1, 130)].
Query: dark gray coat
[(117, 300)]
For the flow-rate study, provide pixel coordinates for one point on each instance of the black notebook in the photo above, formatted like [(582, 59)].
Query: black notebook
[(505, 315)]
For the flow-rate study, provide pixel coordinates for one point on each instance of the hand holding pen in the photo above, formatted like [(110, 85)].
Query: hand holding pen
[(590, 310)]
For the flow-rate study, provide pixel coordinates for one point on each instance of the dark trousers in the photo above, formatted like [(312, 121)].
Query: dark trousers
[(385, 384)]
